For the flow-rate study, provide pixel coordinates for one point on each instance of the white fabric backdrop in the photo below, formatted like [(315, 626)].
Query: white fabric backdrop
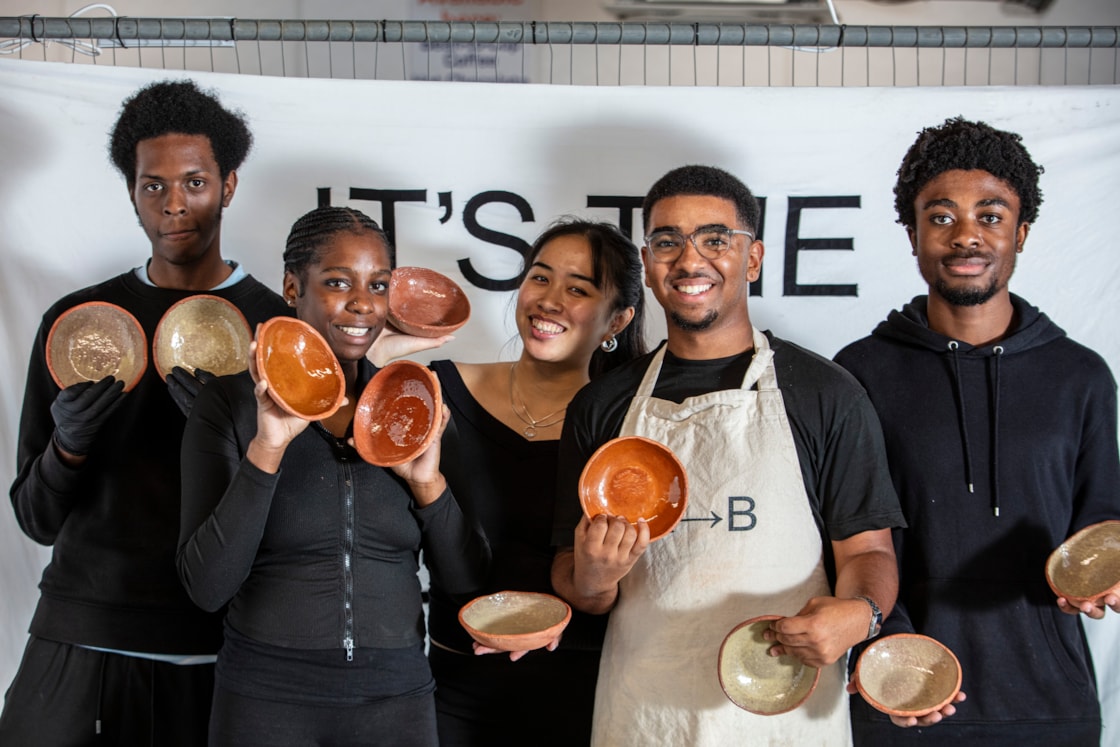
[(533, 153)]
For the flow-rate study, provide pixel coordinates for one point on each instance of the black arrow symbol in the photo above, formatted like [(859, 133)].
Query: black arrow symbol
[(715, 519)]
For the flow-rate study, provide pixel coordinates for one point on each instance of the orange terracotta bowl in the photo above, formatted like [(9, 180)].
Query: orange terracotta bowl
[(303, 375), (636, 478), (908, 675), (93, 340), (515, 620), (424, 303), (756, 681), (204, 332), (1086, 567), (398, 414)]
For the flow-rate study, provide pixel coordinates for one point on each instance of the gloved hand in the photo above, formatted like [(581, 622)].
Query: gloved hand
[(81, 409), (184, 386)]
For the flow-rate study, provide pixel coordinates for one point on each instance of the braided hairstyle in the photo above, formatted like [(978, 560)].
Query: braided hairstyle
[(960, 144), (617, 270), (178, 107), (705, 181), (313, 230)]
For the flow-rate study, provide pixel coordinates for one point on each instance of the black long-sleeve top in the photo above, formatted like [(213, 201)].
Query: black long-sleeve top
[(324, 553), (114, 521)]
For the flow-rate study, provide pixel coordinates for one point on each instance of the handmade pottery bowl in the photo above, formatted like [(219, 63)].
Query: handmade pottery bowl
[(302, 373), (515, 620), (398, 414), (756, 681), (637, 478), (908, 675), (424, 303), (1086, 567), (204, 332), (93, 340)]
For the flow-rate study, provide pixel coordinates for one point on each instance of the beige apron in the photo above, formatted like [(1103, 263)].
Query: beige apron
[(747, 546)]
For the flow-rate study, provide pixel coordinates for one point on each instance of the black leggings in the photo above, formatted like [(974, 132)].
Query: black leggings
[(241, 721)]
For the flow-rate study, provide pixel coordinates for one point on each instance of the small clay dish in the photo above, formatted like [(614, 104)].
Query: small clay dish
[(515, 620), (398, 414), (1086, 567), (637, 478), (302, 373), (756, 681), (93, 340), (204, 332), (908, 675), (424, 303)]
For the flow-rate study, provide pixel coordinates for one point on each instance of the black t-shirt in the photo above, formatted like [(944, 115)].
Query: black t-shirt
[(835, 431)]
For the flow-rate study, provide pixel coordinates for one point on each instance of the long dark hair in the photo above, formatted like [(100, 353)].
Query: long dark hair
[(617, 268)]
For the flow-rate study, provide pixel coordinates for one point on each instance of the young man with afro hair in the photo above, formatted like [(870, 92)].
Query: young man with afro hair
[(118, 653), (1001, 437)]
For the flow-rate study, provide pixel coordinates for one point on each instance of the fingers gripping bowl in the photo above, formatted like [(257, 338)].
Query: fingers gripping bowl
[(93, 340), (303, 375), (1086, 567), (756, 681), (398, 414), (515, 620), (908, 675), (637, 478)]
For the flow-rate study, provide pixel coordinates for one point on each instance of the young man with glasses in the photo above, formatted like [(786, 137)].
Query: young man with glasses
[(790, 503)]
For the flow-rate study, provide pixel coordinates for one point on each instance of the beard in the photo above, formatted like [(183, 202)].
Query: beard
[(699, 325)]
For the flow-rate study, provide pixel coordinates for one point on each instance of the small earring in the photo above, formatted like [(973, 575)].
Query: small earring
[(610, 344), (291, 301)]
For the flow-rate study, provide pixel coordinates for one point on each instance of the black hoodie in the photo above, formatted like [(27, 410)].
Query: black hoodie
[(998, 453)]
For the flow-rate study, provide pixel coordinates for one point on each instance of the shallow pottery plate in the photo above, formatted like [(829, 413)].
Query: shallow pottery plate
[(93, 340), (637, 478), (515, 620), (756, 681), (424, 303), (204, 332), (908, 675), (302, 373), (1086, 567), (398, 414)]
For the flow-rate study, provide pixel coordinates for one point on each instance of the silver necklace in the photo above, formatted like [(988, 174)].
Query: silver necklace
[(531, 423)]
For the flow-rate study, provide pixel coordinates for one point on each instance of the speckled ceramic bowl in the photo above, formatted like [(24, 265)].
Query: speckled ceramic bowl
[(424, 303), (637, 478), (908, 675), (204, 332), (756, 681), (515, 620), (302, 373), (93, 340), (1086, 567), (398, 414)]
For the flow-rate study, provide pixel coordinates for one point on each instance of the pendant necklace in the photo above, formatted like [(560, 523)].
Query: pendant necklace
[(531, 423)]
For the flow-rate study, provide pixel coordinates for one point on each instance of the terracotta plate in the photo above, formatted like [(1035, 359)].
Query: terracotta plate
[(637, 478), (398, 414), (204, 332), (424, 303), (756, 681), (908, 675), (1086, 567), (302, 373), (515, 620), (93, 340)]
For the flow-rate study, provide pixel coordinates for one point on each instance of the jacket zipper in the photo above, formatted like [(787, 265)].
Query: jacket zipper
[(347, 564)]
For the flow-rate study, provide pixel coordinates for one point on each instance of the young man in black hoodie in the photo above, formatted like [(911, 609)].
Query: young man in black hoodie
[(1001, 434), (117, 649)]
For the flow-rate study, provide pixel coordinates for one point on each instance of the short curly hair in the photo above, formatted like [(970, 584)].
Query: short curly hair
[(178, 106), (961, 144), (705, 181)]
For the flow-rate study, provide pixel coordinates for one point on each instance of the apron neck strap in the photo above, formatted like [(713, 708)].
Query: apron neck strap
[(759, 372)]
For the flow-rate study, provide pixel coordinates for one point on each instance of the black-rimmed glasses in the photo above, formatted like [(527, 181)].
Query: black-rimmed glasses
[(711, 243)]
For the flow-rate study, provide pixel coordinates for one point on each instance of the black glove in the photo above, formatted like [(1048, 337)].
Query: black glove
[(184, 387), (81, 409)]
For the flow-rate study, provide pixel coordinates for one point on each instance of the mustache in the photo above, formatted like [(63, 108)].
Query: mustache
[(682, 275)]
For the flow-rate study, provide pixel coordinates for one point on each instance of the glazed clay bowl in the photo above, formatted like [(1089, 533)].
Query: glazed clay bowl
[(204, 332), (424, 303), (93, 340), (1086, 567), (636, 478), (303, 375), (908, 675), (515, 620), (398, 414), (756, 681)]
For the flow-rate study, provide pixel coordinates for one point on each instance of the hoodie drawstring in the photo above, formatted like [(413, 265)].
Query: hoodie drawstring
[(998, 351), (953, 345)]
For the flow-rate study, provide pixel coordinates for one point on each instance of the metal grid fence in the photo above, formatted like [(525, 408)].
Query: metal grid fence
[(577, 53)]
